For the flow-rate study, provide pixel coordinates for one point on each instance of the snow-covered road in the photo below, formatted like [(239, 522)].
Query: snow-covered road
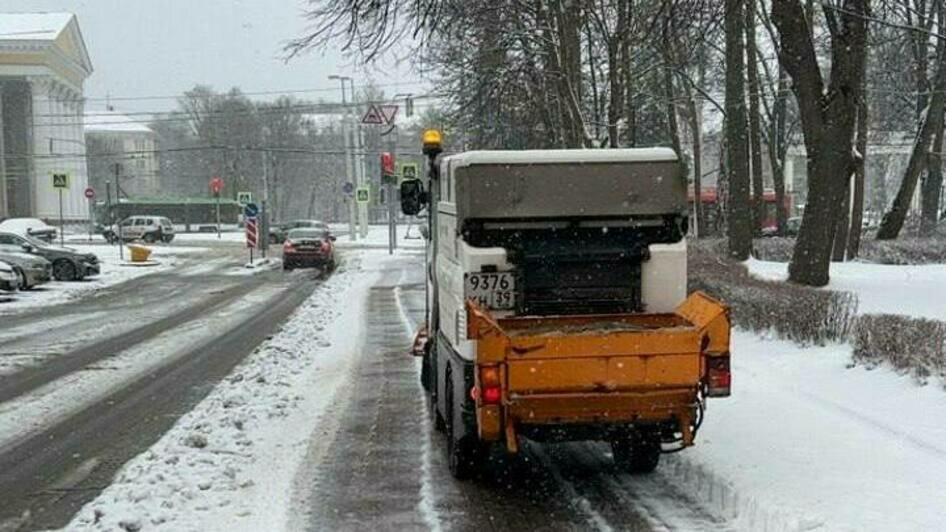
[(337, 437), (324, 426), (90, 383)]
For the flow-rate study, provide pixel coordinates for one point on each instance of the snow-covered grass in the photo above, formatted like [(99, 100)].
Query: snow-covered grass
[(378, 237), (114, 270), (807, 443), (916, 290), (225, 236), (229, 463)]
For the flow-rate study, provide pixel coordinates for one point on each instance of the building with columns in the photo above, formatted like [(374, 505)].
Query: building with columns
[(43, 66)]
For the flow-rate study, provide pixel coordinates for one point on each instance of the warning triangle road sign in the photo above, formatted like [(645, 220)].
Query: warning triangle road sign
[(389, 112), (373, 116)]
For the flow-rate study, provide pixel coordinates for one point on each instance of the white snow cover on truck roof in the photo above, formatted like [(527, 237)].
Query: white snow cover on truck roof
[(625, 155)]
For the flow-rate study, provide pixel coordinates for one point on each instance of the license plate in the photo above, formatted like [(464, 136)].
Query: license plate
[(494, 290)]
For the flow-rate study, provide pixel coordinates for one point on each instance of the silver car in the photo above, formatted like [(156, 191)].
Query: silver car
[(31, 270), (151, 229), (9, 280)]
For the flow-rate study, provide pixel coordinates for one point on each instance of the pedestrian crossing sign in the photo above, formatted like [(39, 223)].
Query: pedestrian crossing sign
[(60, 180)]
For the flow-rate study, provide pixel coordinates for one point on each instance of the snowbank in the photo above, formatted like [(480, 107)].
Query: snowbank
[(807, 443), (378, 237), (917, 290), (229, 463)]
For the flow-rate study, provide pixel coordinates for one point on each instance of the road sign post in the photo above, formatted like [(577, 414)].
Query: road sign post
[(388, 179), (348, 190), (216, 187), (250, 222), (90, 195), (60, 183)]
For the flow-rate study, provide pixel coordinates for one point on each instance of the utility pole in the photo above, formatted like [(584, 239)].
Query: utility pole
[(264, 222), (4, 206), (111, 219), (349, 201), (359, 164)]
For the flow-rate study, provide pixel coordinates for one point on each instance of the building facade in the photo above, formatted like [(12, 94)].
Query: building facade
[(122, 152), (43, 66)]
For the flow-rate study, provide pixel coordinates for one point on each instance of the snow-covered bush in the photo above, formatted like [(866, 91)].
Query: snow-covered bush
[(905, 251), (797, 313), (911, 345)]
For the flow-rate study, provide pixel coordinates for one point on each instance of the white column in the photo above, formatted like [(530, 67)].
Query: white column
[(41, 108)]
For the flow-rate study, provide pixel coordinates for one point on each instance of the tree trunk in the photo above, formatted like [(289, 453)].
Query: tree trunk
[(842, 228), (932, 187), (696, 131), (616, 76), (932, 122), (673, 123), (592, 69), (740, 217), (630, 109), (860, 174), (777, 150), (755, 127), (828, 116)]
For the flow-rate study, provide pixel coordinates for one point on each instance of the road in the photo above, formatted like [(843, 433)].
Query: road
[(385, 467), (86, 385)]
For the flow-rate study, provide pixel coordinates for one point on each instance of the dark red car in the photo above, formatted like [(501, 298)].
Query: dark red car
[(308, 247)]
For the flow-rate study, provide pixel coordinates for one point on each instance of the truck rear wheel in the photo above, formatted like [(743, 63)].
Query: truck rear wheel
[(464, 453), (638, 454)]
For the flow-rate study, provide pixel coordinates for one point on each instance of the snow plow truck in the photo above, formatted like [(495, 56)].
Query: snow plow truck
[(557, 305)]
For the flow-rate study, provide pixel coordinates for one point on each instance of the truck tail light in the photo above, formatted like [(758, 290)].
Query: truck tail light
[(287, 245), (491, 385), (718, 377)]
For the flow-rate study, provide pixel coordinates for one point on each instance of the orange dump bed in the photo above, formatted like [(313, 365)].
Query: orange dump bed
[(600, 368)]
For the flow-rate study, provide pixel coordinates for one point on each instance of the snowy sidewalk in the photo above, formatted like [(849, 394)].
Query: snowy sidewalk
[(230, 462), (806, 443)]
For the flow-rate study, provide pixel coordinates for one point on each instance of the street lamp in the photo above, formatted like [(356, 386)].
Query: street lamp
[(348, 157), (341, 80)]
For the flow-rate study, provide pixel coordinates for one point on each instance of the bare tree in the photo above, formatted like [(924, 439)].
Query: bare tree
[(931, 122), (828, 115), (739, 215), (755, 133)]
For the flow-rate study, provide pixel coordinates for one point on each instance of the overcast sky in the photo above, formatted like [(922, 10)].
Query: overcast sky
[(164, 47)]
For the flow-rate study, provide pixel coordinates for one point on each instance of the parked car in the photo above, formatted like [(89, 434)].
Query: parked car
[(30, 269), (277, 234), (9, 280), (68, 264), (30, 227), (151, 229), (792, 226), (308, 247)]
